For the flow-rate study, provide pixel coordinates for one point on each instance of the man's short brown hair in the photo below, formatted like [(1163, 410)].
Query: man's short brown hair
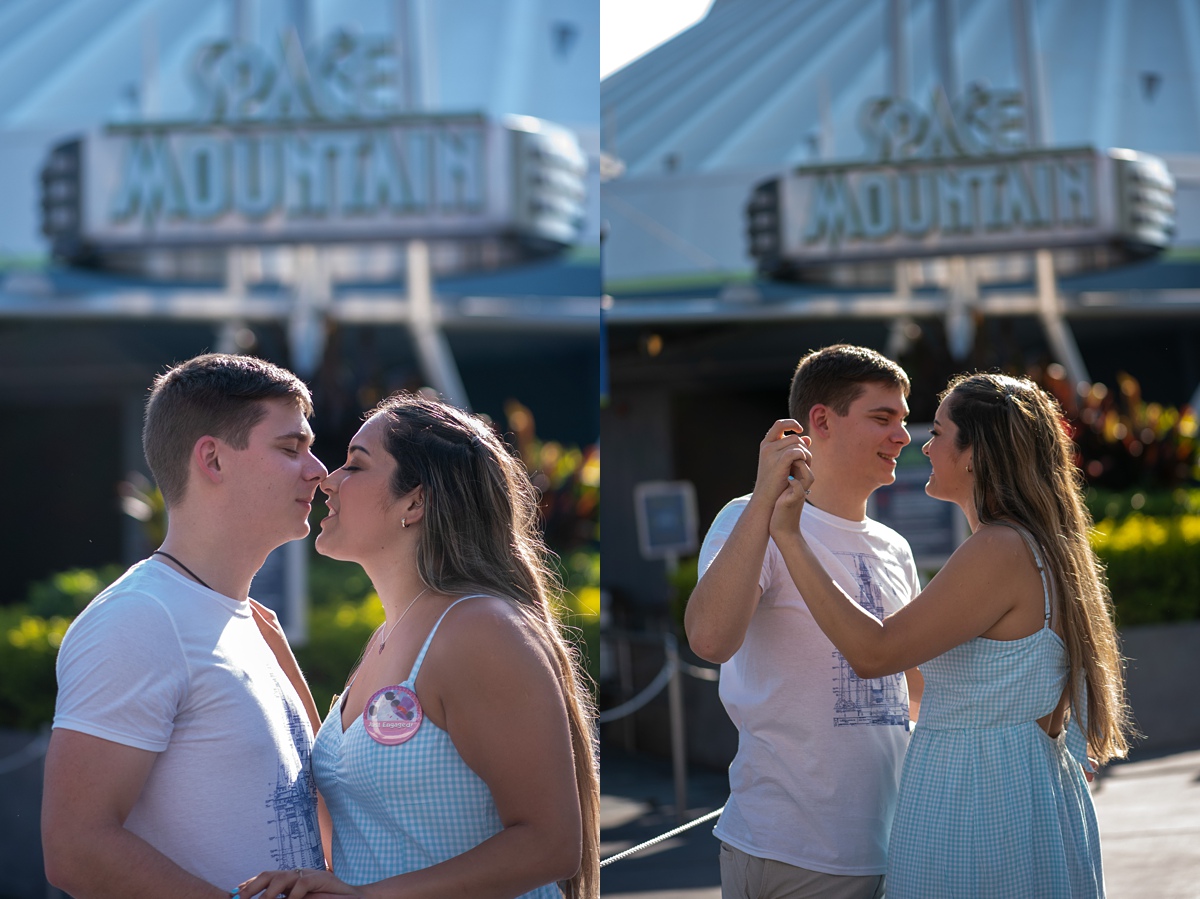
[(215, 395), (836, 376)]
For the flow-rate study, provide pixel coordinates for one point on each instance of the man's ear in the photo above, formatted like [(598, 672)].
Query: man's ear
[(206, 455), (819, 421)]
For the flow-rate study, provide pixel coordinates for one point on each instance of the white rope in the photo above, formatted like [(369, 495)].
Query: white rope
[(656, 686), (699, 672), (660, 838), (653, 689), (32, 751)]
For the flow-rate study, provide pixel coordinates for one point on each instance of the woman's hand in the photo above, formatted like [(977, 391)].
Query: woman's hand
[(789, 501), (296, 883), (777, 456)]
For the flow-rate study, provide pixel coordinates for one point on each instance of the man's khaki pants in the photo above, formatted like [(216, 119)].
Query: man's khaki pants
[(748, 877)]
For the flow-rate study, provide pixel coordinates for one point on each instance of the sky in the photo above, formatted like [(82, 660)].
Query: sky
[(629, 28)]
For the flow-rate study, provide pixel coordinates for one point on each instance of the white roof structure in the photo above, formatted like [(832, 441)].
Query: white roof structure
[(76, 64), (758, 86)]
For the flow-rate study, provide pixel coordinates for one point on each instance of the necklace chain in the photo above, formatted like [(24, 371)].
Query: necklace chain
[(199, 580), (383, 642)]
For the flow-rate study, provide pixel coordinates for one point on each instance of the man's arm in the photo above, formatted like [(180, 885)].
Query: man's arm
[(719, 611), (91, 786)]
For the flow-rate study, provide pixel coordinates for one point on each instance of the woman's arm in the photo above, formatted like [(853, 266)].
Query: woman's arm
[(503, 707), (983, 581), (493, 683)]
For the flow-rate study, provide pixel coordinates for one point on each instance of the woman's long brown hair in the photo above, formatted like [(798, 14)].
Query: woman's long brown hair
[(481, 533), (1025, 473)]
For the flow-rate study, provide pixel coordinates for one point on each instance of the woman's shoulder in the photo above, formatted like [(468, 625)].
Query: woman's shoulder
[(483, 627), (487, 648), (996, 543), (1000, 533)]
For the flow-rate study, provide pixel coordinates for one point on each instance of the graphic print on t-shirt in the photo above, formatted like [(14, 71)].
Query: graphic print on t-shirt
[(880, 700), (297, 839)]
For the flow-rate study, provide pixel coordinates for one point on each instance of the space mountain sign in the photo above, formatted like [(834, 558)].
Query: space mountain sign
[(292, 146), (957, 179)]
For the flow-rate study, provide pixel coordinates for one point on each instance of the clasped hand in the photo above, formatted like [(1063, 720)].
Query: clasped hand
[(784, 474), (295, 884)]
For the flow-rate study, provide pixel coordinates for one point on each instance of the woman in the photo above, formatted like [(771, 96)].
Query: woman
[(460, 759), (1015, 640)]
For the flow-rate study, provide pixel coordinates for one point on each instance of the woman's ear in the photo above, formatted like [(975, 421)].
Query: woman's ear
[(413, 504)]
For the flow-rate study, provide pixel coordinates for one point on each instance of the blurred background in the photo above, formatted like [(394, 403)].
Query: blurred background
[(1006, 185), (379, 195)]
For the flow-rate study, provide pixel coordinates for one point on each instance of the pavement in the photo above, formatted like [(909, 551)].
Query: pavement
[(1148, 809)]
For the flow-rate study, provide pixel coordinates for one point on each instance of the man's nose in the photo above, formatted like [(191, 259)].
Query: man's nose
[(317, 470)]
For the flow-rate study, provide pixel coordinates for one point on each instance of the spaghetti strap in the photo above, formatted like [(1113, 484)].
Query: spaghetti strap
[(416, 668), (1037, 560)]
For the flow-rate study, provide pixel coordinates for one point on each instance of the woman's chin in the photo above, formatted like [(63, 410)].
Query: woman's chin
[(330, 550), (324, 546)]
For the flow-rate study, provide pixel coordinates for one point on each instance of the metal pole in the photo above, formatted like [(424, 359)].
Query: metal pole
[(235, 288), (960, 313), (625, 675), (678, 735), (944, 28), (1058, 332), (298, 14), (898, 341), (1029, 63), (239, 21), (406, 46), (149, 98), (898, 69), (433, 350), (311, 299)]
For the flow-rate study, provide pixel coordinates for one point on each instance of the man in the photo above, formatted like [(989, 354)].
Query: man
[(179, 761), (814, 782)]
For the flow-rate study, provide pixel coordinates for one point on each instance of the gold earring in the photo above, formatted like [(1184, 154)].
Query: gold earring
[(403, 522)]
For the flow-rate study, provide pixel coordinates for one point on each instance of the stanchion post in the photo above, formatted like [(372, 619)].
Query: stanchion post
[(625, 673), (678, 733)]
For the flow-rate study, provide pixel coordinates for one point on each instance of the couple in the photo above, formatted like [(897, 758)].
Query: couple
[(459, 760), (819, 619)]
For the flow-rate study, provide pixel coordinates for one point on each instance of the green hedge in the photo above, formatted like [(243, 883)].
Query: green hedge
[(1152, 562), (1119, 505), (1153, 567), (343, 612), (29, 638)]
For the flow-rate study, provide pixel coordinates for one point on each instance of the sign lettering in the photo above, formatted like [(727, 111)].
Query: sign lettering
[(353, 77), (982, 122), (402, 170), (876, 204)]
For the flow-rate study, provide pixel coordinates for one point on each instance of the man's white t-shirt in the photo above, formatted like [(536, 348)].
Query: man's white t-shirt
[(158, 662), (817, 769)]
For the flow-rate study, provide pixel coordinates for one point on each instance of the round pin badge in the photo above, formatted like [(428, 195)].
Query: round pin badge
[(393, 715)]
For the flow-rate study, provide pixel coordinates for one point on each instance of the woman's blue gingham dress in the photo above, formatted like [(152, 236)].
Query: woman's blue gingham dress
[(990, 807), (401, 808)]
